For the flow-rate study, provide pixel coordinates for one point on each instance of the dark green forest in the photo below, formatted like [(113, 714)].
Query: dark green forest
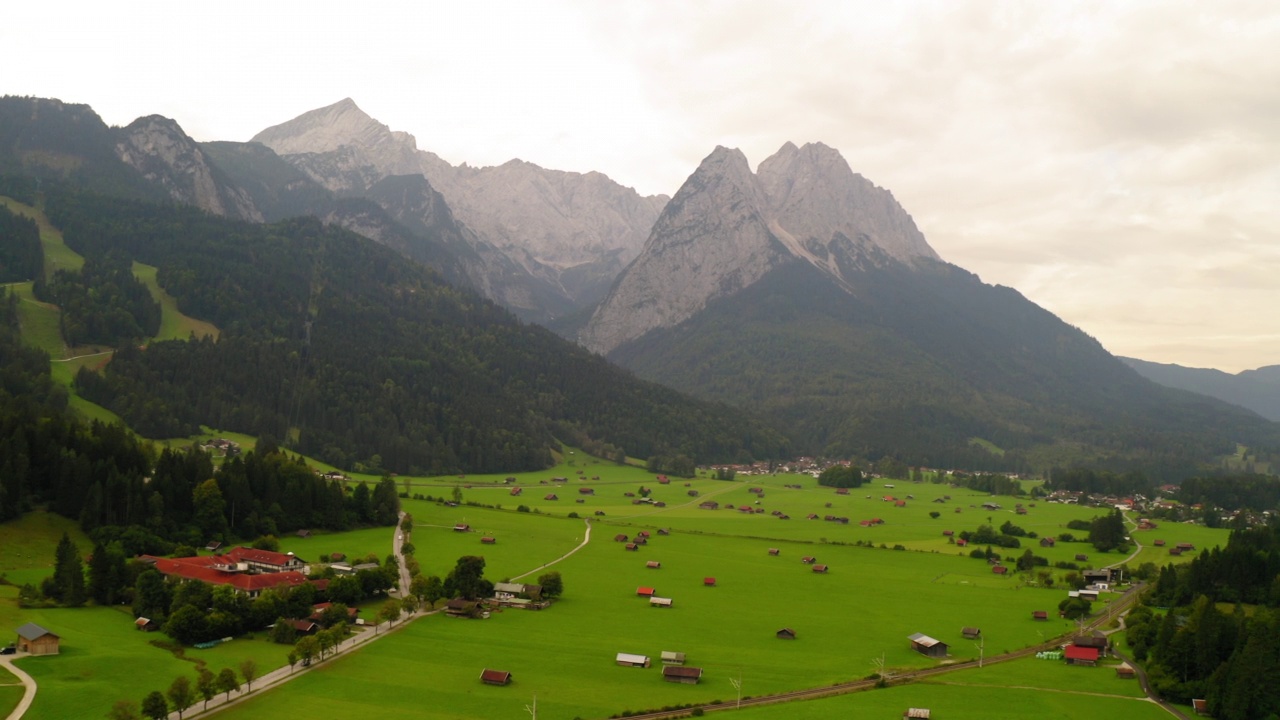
[(919, 362), (20, 255), (102, 303), (349, 353), (1196, 649)]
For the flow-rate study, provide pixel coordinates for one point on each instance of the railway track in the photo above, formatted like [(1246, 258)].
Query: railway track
[(1117, 607)]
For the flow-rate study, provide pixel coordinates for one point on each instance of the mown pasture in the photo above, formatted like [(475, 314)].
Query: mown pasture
[(862, 610), (965, 702)]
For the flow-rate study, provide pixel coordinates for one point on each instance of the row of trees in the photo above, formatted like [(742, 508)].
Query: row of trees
[(21, 257), (102, 303), (182, 693)]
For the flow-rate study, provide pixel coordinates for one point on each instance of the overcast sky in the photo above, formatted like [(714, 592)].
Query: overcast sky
[(1119, 164)]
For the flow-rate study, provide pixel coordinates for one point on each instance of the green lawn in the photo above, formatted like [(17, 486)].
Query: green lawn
[(953, 702), (39, 321), (11, 692), (57, 256), (104, 659), (174, 325)]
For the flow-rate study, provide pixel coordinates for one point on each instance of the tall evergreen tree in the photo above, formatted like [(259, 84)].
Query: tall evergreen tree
[(68, 573)]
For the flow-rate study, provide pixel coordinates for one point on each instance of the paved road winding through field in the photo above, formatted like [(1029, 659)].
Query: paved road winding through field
[(27, 681)]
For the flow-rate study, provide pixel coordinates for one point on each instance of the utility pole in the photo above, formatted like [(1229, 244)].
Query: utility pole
[(533, 709), (737, 685), (982, 646)]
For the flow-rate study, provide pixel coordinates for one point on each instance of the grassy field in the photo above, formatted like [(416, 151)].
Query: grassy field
[(57, 256), (863, 609), (174, 325), (104, 659), (955, 702)]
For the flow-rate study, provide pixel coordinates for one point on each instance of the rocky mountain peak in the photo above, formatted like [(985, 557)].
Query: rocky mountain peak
[(330, 128), (727, 227), (158, 148)]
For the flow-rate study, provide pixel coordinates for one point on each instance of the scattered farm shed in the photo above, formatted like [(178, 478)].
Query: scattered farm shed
[(999, 569), (774, 551), (808, 560), (670, 657), (631, 546), (620, 537), (820, 568), (663, 531), (1159, 543), (516, 491), (1125, 671), (304, 534), (1048, 541), (489, 540), (629, 660), (1200, 706), (709, 581), (916, 713), (495, 677), (1081, 557), (551, 496), (653, 564), (926, 645), (586, 491), (461, 608), (970, 633), (35, 640), (462, 527), (146, 624), (661, 602), (786, 634), (1039, 615), (213, 546), (686, 675)]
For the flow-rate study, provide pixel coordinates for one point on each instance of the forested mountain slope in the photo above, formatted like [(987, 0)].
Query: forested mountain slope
[(1258, 390), (343, 350)]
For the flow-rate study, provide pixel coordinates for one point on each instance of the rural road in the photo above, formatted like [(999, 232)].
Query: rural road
[(586, 539), (28, 683)]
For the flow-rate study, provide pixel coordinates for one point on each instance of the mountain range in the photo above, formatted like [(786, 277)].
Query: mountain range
[(800, 292), (1258, 390)]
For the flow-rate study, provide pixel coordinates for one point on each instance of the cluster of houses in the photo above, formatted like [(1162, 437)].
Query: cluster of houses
[(221, 447), (521, 596)]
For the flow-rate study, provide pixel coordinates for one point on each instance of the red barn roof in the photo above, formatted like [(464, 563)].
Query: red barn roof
[(1075, 652)]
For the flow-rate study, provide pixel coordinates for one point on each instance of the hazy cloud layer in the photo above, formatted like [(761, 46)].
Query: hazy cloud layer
[(1118, 164)]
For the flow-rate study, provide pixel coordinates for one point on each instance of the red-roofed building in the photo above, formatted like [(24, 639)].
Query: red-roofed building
[(709, 581), (645, 591), (1077, 655), (495, 677), (216, 570)]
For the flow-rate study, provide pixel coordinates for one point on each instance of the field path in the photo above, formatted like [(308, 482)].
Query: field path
[(1137, 546), (586, 539), (28, 682), (77, 357)]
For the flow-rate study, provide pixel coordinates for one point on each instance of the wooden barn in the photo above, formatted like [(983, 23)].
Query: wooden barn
[(926, 645), (629, 660), (971, 633), (1077, 655), (495, 677), (786, 634), (35, 640), (681, 674), (671, 657)]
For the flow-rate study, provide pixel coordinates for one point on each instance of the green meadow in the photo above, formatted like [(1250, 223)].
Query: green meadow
[(847, 620), (956, 702), (10, 692), (862, 610), (174, 325)]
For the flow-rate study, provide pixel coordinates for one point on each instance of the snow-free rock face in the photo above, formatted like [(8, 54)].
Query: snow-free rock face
[(571, 233), (726, 228), (156, 147)]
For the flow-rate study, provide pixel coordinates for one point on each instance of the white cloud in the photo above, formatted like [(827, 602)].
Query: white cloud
[(1117, 163)]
